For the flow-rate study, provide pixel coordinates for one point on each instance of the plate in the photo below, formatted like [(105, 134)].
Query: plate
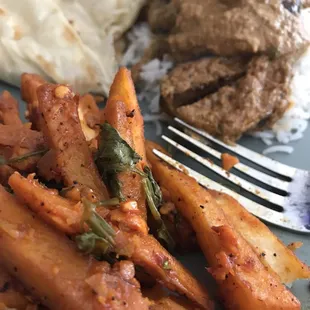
[(196, 262)]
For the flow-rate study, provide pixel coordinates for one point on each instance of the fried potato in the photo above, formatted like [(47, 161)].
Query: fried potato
[(271, 251), (49, 265), (16, 141), (89, 115), (146, 251), (242, 279), (47, 167), (131, 183), (54, 209), (162, 300), (5, 173), (29, 85), (11, 293), (9, 113), (123, 89), (143, 250), (61, 126)]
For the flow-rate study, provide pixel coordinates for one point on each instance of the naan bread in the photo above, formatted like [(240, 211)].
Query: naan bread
[(65, 41)]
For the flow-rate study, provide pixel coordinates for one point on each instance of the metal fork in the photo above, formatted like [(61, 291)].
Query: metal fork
[(292, 199)]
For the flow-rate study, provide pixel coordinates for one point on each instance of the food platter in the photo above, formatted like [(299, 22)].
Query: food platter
[(196, 262)]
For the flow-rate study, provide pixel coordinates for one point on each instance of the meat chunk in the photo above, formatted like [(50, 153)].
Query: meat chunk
[(227, 28), (191, 81), (256, 100), (162, 15), (306, 3)]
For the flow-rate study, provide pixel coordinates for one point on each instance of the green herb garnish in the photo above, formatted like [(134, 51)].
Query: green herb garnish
[(88, 242), (109, 202), (101, 234), (166, 265), (114, 156), (154, 199), (20, 158)]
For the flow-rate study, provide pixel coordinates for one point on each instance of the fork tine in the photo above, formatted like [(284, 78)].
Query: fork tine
[(256, 174), (257, 158), (254, 189), (270, 216)]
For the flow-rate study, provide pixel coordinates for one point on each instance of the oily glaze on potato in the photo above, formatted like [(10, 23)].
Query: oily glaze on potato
[(49, 265), (242, 279)]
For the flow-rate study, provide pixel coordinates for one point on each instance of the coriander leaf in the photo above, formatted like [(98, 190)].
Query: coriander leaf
[(156, 191), (17, 159), (154, 199), (114, 156), (109, 202), (114, 153), (87, 242), (101, 234), (115, 185)]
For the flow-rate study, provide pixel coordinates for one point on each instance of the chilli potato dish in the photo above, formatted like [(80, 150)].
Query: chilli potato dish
[(90, 218)]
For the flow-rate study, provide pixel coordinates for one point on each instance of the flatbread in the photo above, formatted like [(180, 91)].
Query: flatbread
[(65, 41)]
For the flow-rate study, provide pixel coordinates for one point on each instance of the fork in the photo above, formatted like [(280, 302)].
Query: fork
[(289, 192)]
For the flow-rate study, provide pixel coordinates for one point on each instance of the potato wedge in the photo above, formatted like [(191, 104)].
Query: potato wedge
[(16, 141), (11, 293), (26, 138), (5, 173), (9, 113), (89, 115), (270, 250), (90, 110), (243, 280), (123, 89), (62, 128), (49, 265), (54, 209), (144, 250), (29, 86), (162, 300), (47, 167), (131, 183)]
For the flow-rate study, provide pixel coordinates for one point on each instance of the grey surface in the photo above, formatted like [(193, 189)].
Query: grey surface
[(299, 159)]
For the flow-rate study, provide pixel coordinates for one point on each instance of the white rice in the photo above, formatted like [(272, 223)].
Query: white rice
[(295, 121), (267, 141), (278, 148), (139, 38), (151, 73), (290, 128)]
